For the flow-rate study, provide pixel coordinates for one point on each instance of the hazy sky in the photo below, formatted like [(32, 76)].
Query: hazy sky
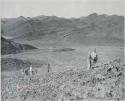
[(62, 8)]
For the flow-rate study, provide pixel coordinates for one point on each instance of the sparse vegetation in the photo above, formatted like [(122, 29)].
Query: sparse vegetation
[(105, 81)]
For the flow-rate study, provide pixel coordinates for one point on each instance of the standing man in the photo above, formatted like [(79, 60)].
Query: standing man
[(92, 59)]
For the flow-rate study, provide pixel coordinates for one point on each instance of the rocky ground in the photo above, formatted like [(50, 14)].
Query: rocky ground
[(103, 82)]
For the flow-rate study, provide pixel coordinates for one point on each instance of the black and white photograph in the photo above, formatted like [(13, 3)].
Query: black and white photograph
[(62, 50)]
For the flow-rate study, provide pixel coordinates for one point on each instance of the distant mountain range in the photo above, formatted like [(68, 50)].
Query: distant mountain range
[(93, 29), (10, 47)]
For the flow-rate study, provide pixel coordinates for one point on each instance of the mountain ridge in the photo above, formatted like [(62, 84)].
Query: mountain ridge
[(42, 27)]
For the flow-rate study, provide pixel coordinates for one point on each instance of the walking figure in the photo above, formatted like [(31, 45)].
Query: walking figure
[(92, 59), (28, 71)]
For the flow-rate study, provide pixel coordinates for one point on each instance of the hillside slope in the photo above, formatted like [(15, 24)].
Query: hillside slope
[(10, 47), (104, 82)]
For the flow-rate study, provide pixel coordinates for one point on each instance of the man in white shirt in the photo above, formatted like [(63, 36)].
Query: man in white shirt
[(92, 59)]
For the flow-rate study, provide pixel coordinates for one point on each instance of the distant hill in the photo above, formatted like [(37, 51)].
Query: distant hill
[(99, 29), (10, 64), (10, 47)]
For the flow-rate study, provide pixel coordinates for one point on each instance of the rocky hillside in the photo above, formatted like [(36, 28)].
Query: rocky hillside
[(107, 30), (10, 47), (104, 82)]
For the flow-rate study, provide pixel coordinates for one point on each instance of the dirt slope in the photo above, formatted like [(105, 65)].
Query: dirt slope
[(104, 82)]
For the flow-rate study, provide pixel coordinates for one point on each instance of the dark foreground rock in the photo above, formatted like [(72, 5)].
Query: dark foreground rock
[(10, 47)]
